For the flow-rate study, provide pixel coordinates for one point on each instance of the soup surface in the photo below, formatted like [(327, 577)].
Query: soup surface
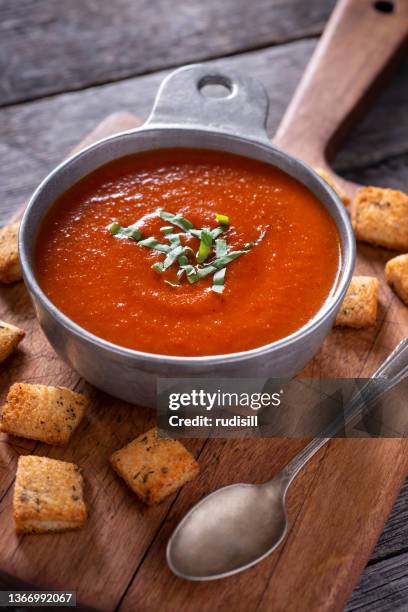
[(106, 284)]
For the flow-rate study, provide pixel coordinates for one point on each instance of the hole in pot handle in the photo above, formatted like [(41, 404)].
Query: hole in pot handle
[(211, 99), (216, 86)]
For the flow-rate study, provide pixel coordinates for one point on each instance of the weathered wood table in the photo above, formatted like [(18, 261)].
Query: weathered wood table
[(65, 66)]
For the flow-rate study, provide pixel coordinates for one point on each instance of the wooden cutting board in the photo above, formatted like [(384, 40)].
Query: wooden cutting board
[(337, 506)]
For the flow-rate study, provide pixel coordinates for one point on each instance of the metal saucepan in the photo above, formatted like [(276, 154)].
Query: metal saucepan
[(183, 116)]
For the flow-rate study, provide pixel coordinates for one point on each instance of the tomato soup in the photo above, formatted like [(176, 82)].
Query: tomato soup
[(107, 285)]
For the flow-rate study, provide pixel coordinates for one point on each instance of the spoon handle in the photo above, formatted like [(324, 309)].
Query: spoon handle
[(390, 373)]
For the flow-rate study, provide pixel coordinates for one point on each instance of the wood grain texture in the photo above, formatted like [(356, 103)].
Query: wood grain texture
[(322, 490), (90, 561), (310, 122), (391, 172), (282, 582), (376, 152), (383, 588), (394, 539), (36, 135), (329, 98), (49, 47)]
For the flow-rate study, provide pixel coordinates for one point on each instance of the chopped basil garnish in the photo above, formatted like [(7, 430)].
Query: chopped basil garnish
[(220, 247), (219, 280), (152, 243), (214, 232), (191, 265), (174, 239), (158, 267), (190, 273), (172, 256), (183, 260), (218, 231), (129, 232), (250, 245), (167, 229), (177, 220)]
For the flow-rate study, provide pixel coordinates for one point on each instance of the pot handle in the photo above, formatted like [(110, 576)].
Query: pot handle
[(184, 100)]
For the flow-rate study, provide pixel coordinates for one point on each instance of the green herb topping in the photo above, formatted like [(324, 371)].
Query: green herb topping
[(212, 257), (222, 219)]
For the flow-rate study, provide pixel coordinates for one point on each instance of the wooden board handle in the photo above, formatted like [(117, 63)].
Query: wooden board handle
[(358, 44)]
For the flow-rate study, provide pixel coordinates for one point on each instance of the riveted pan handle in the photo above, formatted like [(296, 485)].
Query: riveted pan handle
[(184, 100)]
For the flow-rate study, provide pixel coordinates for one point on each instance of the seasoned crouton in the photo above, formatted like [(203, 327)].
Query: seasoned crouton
[(154, 467), (396, 273), (380, 216), (335, 186), (48, 414), (10, 337), (48, 496), (10, 270), (359, 307)]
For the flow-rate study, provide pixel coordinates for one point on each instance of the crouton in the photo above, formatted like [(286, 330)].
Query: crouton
[(154, 467), (396, 273), (10, 270), (359, 307), (48, 414), (48, 496), (335, 186), (380, 216), (10, 337)]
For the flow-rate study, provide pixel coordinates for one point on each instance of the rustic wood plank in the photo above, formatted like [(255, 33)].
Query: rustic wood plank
[(389, 558), (367, 259), (382, 132), (271, 584), (394, 538), (36, 135), (110, 434), (330, 97), (115, 515), (392, 172), (108, 425), (49, 47), (400, 162), (383, 587), (295, 133), (333, 563), (168, 593)]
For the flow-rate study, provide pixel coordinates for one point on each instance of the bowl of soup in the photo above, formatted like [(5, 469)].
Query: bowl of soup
[(189, 247)]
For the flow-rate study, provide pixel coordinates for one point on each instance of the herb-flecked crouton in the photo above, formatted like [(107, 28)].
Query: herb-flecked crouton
[(154, 467), (380, 217), (10, 337), (396, 273), (359, 307), (48, 414), (335, 186), (48, 496), (10, 269)]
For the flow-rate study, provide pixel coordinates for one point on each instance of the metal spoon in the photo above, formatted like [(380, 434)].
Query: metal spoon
[(235, 527)]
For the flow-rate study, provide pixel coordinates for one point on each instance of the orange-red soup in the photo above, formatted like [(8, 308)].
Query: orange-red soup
[(107, 286)]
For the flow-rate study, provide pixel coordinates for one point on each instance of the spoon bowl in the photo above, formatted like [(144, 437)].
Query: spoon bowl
[(228, 531), (236, 526)]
